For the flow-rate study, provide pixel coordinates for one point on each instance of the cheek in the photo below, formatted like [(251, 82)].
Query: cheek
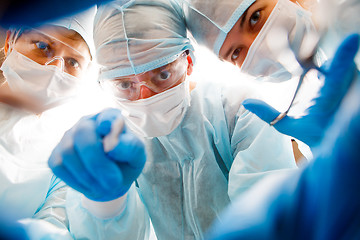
[(88, 69), (78, 75), (33, 57), (26, 50)]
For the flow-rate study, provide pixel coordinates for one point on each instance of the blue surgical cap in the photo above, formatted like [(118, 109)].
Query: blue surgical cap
[(138, 36), (209, 21)]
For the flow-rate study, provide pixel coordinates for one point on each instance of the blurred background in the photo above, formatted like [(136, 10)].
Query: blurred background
[(2, 40)]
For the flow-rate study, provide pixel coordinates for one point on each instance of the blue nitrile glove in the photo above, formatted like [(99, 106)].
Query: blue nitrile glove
[(81, 162), (338, 78), (322, 201)]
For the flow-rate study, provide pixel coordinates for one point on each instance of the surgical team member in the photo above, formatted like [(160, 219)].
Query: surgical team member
[(202, 147), (259, 37), (323, 201), (266, 38), (44, 66), (253, 34)]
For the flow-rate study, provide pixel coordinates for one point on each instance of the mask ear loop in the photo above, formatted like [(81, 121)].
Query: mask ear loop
[(57, 58), (14, 36)]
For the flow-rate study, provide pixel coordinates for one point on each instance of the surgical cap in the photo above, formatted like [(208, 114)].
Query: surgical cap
[(209, 21), (81, 23), (138, 36)]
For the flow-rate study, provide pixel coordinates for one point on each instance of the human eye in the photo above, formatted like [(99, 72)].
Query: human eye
[(123, 85), (43, 46), (235, 55), (254, 18), (164, 75), (73, 63)]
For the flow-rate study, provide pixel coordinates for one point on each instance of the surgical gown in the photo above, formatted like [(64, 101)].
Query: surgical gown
[(25, 176), (26, 181), (217, 152)]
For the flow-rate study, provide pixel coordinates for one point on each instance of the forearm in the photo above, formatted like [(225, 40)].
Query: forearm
[(50, 220)]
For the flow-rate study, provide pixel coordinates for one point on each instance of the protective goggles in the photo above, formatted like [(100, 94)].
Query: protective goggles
[(157, 80)]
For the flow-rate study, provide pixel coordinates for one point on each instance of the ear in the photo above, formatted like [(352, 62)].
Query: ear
[(190, 65), (7, 43)]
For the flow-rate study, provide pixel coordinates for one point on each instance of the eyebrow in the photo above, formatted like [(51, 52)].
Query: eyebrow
[(244, 17), (43, 35)]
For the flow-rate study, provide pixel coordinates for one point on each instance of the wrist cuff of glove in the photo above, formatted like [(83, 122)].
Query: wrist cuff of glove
[(104, 210)]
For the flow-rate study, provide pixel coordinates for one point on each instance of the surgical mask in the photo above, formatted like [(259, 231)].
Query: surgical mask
[(158, 115), (46, 84), (287, 33)]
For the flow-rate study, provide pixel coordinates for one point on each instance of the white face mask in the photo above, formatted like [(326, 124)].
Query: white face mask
[(158, 115), (46, 84), (289, 27)]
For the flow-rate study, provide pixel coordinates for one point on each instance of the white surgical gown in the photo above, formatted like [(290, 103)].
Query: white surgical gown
[(218, 151), (25, 147), (26, 181)]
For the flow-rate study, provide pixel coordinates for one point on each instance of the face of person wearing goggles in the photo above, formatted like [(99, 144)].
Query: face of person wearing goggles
[(148, 84), (43, 67), (244, 32), (52, 45)]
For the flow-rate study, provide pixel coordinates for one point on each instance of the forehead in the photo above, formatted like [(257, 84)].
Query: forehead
[(260, 4), (176, 65)]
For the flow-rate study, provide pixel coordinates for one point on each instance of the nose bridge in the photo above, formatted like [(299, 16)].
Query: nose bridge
[(145, 91), (142, 78), (246, 39), (57, 61)]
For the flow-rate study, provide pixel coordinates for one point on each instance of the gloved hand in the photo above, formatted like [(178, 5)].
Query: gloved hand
[(338, 78), (81, 162)]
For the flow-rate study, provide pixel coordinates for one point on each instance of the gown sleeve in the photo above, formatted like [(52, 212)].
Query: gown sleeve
[(257, 149), (63, 216)]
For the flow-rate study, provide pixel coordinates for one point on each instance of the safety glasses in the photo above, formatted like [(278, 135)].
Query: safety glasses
[(157, 80)]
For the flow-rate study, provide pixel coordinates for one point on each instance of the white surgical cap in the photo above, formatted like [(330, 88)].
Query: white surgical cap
[(209, 21), (81, 23), (138, 36)]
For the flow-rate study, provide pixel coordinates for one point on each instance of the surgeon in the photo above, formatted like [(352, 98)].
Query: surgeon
[(275, 41), (322, 202), (265, 39), (255, 35), (43, 68), (180, 150)]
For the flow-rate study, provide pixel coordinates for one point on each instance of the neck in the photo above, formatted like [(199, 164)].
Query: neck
[(192, 85)]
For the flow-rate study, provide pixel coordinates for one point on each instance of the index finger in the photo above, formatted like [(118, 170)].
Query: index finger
[(89, 147)]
